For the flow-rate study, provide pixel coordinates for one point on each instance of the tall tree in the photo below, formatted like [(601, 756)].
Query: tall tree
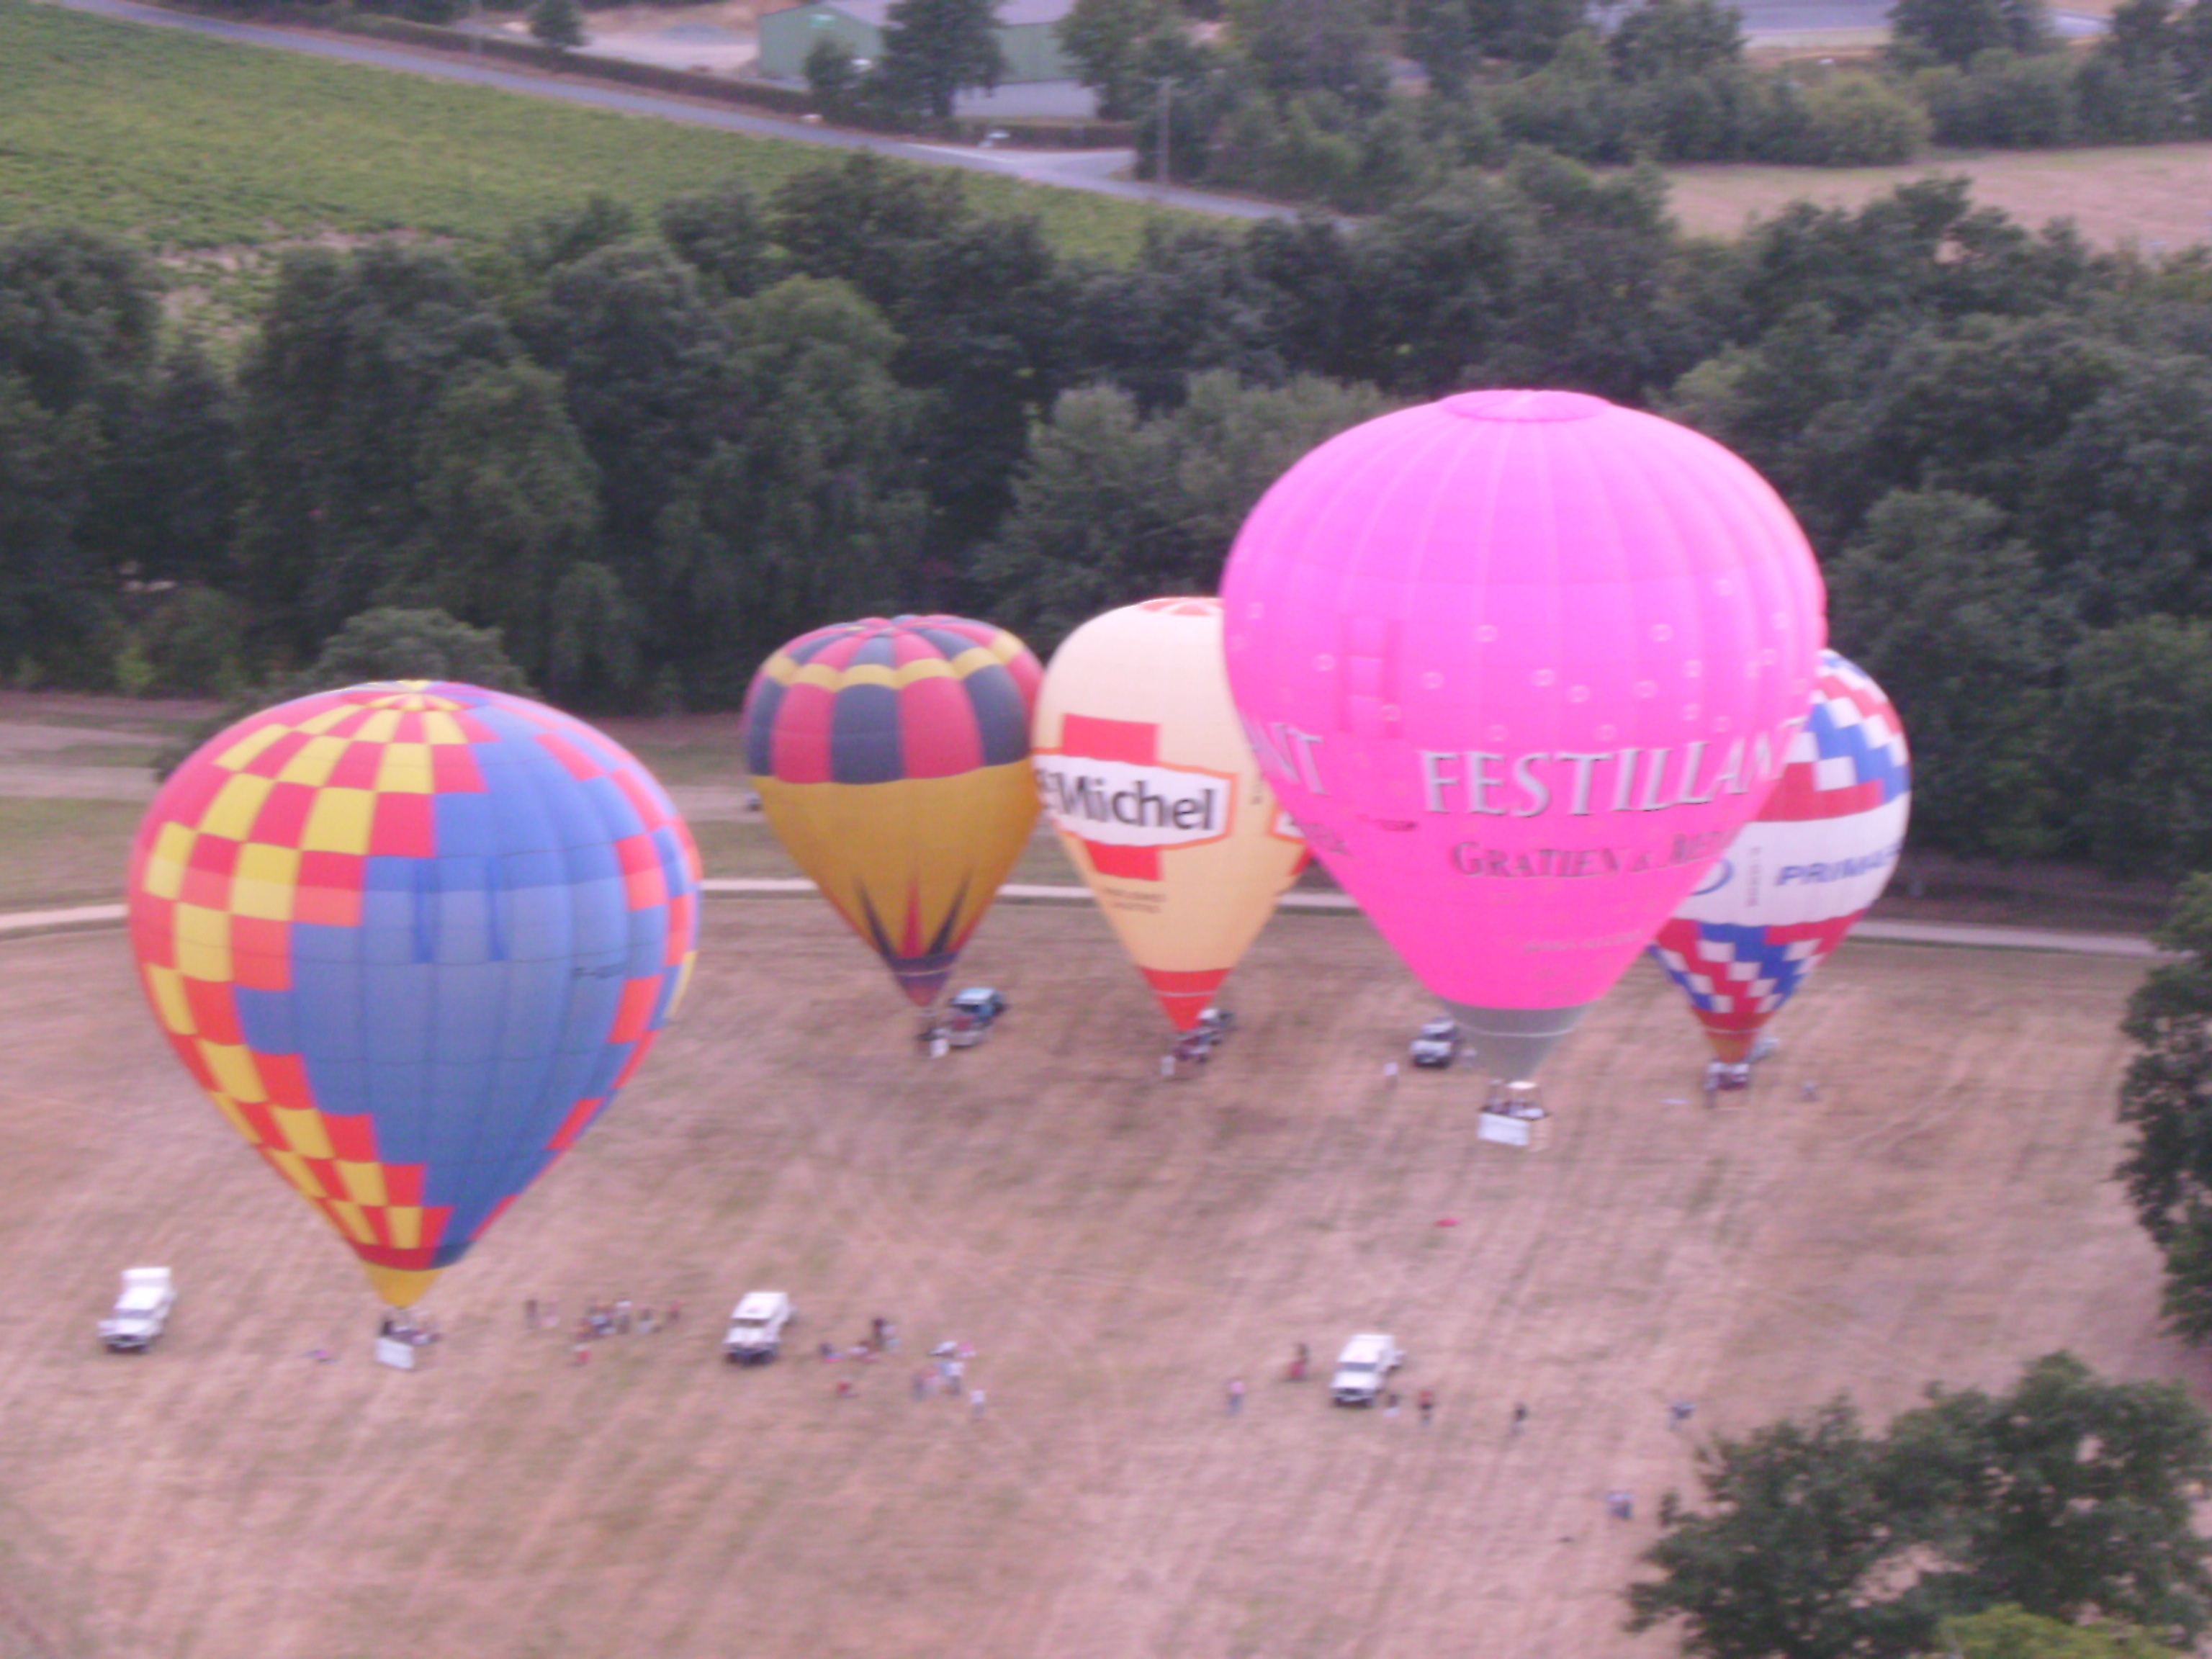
[(80, 315), (2068, 1496), (1109, 41), (809, 510), (52, 597), (1953, 31), (935, 50), (1665, 38), (165, 503), (644, 355), (1941, 605), (1111, 507), (2167, 1099), (558, 25), (511, 504), (1445, 38), (723, 234), (2134, 745), (353, 352), (1314, 45)]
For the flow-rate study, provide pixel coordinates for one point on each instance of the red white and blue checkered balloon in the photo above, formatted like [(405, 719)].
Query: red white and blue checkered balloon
[(1798, 878)]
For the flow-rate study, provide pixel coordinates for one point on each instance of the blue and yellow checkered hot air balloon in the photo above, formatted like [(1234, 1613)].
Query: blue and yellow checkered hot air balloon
[(412, 938), (892, 760)]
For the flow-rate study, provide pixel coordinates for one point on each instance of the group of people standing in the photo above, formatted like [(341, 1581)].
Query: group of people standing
[(600, 1319)]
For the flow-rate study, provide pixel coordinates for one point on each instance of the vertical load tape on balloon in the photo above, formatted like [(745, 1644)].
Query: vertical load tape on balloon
[(1520, 663), (892, 761), (412, 939), (1143, 771), (1798, 878)]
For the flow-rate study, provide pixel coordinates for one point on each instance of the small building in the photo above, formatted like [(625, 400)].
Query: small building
[(1026, 37)]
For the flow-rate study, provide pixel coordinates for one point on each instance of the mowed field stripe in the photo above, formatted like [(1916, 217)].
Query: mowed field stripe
[(1115, 1245)]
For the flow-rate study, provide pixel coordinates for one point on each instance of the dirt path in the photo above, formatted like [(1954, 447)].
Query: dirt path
[(2157, 195), (1115, 1247)]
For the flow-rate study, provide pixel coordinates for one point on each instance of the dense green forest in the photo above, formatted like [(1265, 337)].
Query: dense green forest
[(648, 451)]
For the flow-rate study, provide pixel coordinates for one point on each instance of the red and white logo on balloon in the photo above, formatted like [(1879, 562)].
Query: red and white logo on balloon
[(1106, 787)]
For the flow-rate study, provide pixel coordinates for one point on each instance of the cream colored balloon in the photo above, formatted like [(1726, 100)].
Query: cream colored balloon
[(1146, 775)]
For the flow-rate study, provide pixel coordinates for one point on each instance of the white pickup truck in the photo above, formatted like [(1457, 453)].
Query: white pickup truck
[(1363, 1368), (141, 1310), (756, 1327)]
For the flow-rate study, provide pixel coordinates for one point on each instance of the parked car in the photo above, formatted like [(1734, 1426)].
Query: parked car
[(981, 1002), (1724, 1075), (1364, 1367), (1437, 1044), (965, 1031), (1216, 1023), (142, 1311), (756, 1325)]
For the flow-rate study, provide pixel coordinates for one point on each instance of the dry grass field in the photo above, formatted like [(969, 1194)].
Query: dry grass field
[(2153, 195), (1115, 1247)]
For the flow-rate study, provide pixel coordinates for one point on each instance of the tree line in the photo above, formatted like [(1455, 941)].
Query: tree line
[(647, 453), (1295, 98), (2052, 1521)]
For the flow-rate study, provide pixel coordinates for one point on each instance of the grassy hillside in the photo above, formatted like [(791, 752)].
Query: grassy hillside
[(197, 143)]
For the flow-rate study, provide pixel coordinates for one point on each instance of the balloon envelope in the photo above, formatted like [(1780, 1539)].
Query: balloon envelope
[(1520, 663), (1158, 801), (892, 761), (411, 939), (1797, 878)]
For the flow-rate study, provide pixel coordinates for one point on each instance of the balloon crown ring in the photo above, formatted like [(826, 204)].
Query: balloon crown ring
[(1511, 405)]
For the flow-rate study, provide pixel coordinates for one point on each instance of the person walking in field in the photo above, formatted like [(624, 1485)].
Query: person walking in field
[(975, 1403), (1428, 1406), (1236, 1395), (529, 1315), (1520, 1418)]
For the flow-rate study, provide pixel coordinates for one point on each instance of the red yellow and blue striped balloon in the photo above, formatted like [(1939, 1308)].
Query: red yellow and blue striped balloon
[(412, 938), (892, 761)]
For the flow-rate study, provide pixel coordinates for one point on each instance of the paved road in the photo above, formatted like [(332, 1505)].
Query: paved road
[(1086, 170), (1766, 19), (1960, 935)]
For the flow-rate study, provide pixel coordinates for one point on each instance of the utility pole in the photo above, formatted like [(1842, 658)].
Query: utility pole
[(1167, 95)]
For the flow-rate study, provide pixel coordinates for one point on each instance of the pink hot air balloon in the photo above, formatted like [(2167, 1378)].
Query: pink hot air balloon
[(1521, 664)]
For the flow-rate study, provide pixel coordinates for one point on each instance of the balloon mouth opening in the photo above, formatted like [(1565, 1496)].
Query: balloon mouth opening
[(1526, 405)]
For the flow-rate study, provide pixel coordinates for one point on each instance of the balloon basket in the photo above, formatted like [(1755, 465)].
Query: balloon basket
[(1727, 1085), (1514, 1116), (1529, 1134), (404, 1345)]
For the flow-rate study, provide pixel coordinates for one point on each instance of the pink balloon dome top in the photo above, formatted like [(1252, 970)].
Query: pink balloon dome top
[(1522, 662)]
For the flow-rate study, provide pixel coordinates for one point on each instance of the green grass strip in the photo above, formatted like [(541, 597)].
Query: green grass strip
[(194, 143)]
